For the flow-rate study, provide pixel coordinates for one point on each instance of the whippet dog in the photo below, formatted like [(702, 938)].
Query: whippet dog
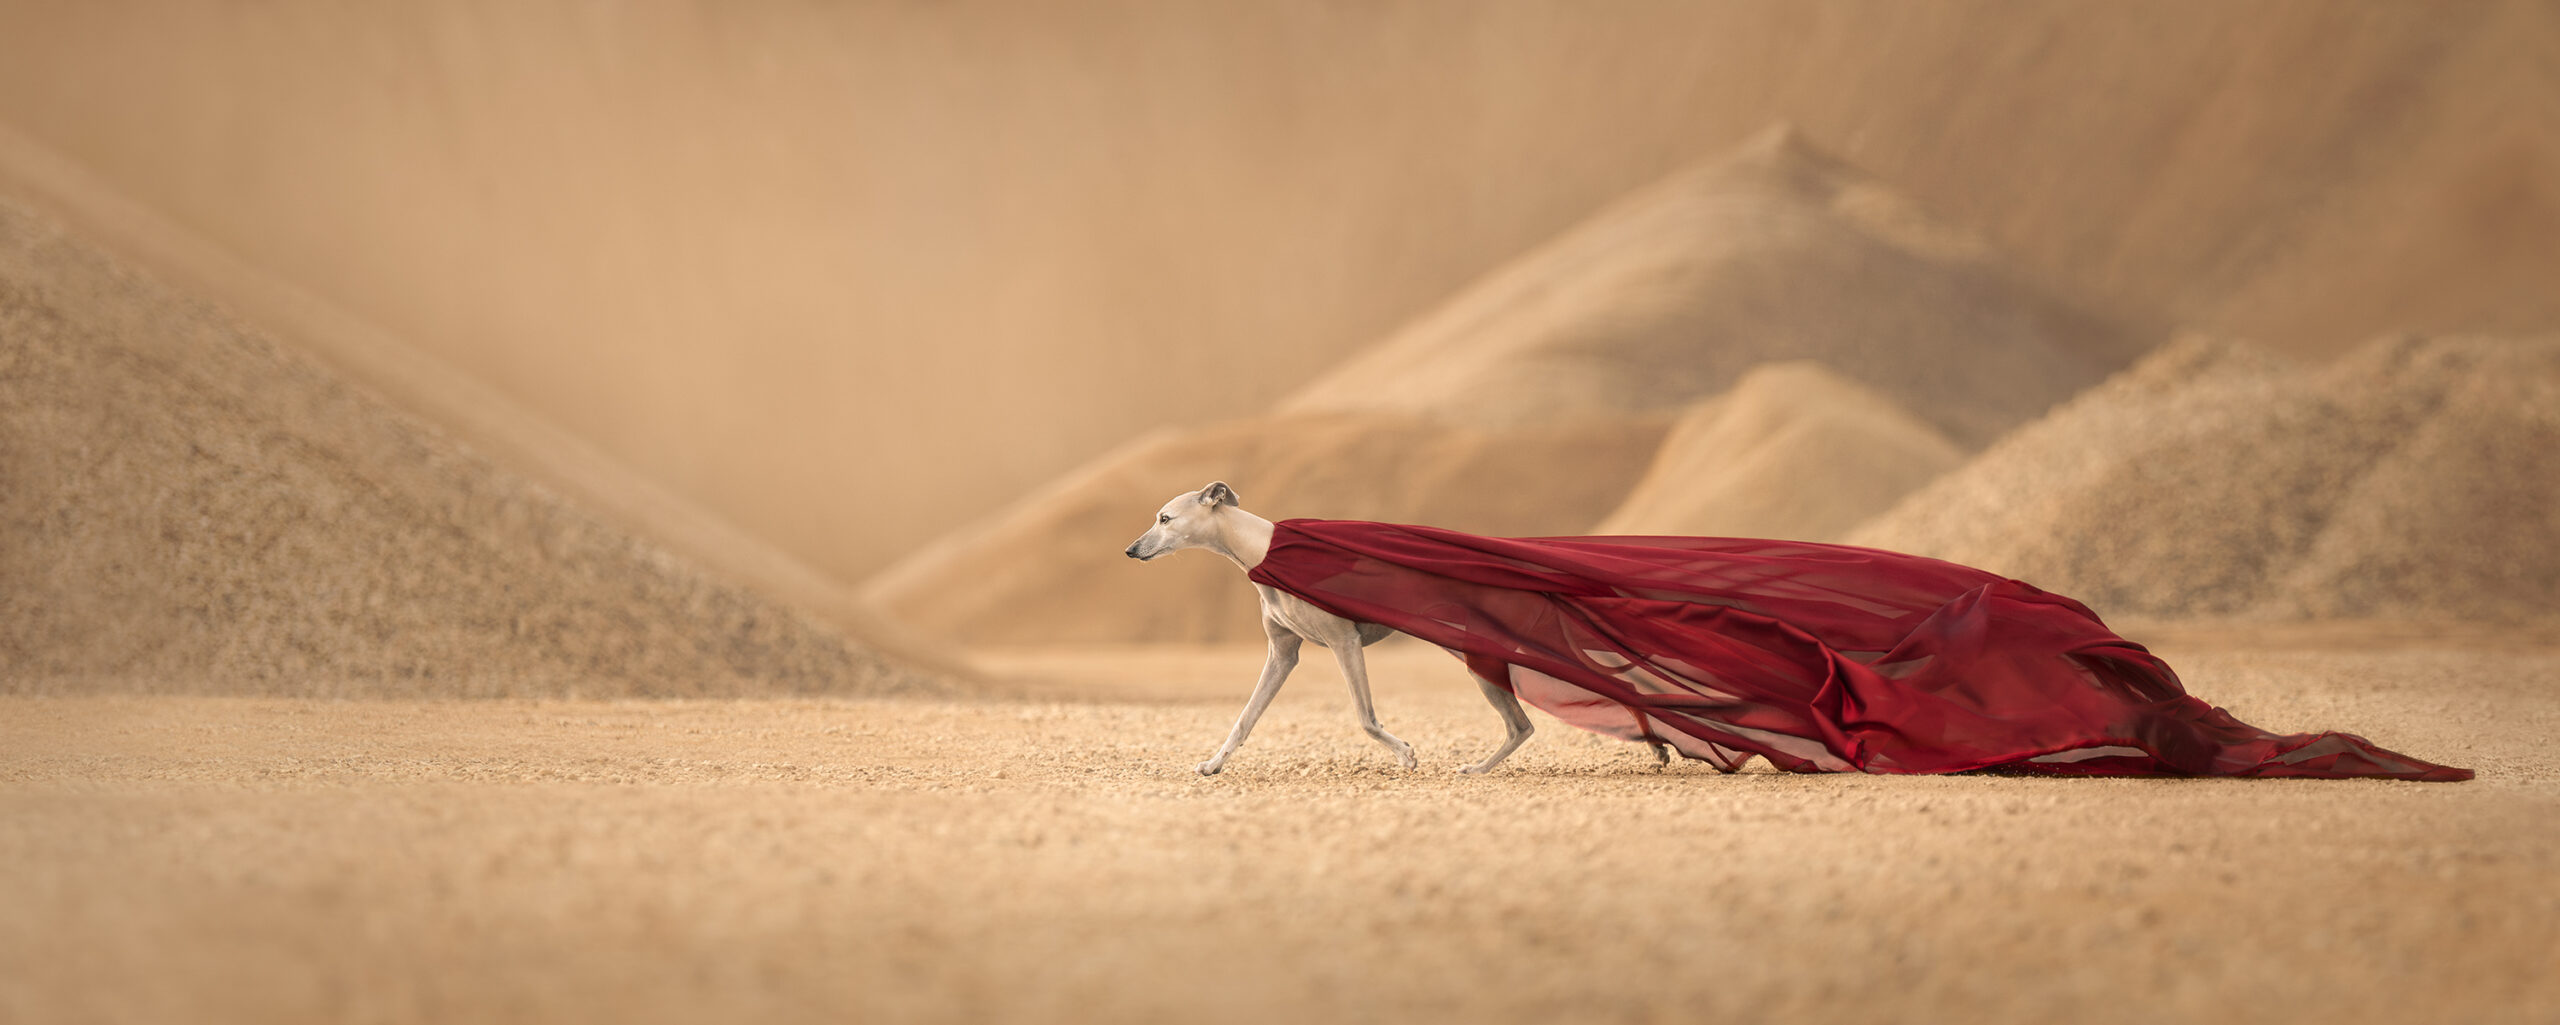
[(1210, 518)]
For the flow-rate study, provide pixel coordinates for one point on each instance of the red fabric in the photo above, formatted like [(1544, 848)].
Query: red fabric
[(1820, 658)]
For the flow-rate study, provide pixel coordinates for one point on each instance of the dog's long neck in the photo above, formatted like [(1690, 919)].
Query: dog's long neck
[(1243, 537)]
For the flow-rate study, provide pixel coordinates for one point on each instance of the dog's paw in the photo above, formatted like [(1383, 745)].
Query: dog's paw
[(1210, 767), (1405, 756), (1478, 769)]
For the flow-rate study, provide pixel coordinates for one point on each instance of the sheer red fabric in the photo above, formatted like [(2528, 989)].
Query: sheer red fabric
[(1820, 658)]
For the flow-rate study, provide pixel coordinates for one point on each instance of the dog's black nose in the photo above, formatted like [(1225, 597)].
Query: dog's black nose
[(1131, 551)]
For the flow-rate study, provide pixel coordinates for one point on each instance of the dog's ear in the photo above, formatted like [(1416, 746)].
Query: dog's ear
[(1217, 493)]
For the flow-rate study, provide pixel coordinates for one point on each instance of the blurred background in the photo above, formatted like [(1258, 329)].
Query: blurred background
[(851, 278), (809, 364)]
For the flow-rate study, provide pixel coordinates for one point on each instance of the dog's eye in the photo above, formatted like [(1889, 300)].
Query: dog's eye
[(1164, 517)]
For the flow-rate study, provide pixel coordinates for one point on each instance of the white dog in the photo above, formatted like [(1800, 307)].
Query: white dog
[(1210, 518)]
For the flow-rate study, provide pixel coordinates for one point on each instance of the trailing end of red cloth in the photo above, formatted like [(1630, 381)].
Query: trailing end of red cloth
[(1820, 658)]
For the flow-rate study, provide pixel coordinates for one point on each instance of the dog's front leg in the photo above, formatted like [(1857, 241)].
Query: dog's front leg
[(1281, 657), (1355, 671)]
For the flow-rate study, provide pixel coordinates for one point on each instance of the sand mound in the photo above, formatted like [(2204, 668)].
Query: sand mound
[(1793, 451), (2413, 478), (1154, 213), (1776, 252), (1049, 569), (188, 506), (1533, 402)]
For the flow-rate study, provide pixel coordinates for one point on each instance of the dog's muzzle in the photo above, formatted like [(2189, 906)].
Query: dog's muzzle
[(1132, 551)]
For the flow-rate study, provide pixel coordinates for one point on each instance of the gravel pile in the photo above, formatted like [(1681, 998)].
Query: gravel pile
[(186, 506), (2413, 478)]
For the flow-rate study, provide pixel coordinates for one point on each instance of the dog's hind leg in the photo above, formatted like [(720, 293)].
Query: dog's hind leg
[(1355, 671), (1281, 657), (1514, 720)]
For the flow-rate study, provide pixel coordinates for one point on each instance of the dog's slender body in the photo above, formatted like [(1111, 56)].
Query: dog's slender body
[(1210, 518), (2000, 675)]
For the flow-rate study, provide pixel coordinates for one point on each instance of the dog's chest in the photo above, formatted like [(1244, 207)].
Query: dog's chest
[(1305, 620)]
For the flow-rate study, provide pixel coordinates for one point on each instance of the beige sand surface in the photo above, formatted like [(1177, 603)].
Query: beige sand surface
[(266, 860)]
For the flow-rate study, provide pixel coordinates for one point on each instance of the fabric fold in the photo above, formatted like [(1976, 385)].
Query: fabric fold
[(1817, 657)]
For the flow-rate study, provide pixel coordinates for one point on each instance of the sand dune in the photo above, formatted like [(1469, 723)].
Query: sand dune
[(2462, 516), (189, 505), (1775, 252), (1794, 451), (1049, 569), (2415, 478), (1532, 402), (737, 245)]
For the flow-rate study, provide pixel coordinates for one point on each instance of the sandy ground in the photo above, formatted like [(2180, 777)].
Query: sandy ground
[(240, 859)]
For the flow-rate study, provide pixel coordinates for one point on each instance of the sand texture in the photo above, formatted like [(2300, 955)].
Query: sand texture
[(186, 505), (1534, 402), (459, 464), (1793, 451), (277, 861), (2413, 478)]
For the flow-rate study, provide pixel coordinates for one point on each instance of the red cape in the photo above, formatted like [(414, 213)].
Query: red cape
[(1820, 658)]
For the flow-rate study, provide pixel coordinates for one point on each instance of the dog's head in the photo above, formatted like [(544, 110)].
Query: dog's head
[(1189, 521)]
